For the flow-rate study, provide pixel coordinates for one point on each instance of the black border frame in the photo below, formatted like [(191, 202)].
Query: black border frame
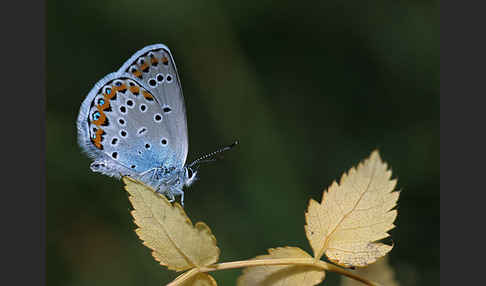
[(24, 189)]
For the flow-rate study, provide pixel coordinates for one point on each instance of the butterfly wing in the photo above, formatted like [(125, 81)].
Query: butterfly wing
[(132, 123), (86, 132), (154, 67)]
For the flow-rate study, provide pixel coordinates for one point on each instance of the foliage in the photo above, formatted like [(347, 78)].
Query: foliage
[(345, 227)]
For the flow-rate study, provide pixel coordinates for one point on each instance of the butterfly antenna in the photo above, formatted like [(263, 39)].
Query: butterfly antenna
[(207, 157)]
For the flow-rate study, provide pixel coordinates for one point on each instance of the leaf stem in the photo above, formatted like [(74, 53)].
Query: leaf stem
[(185, 276), (260, 262)]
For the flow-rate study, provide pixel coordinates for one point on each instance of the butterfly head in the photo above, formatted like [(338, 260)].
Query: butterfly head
[(189, 176)]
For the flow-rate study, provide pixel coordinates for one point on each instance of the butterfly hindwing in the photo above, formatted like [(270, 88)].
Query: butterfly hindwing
[(124, 123)]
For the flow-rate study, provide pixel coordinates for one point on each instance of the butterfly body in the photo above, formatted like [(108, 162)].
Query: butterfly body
[(133, 123)]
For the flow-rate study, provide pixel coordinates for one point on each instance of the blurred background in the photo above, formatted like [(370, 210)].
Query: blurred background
[(309, 89)]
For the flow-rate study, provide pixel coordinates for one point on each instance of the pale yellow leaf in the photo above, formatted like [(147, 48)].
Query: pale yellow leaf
[(200, 279), (354, 214), (380, 272), (167, 230), (282, 275)]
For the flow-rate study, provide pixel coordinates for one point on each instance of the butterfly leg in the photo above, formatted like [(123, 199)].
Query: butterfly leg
[(178, 192), (148, 171), (170, 196)]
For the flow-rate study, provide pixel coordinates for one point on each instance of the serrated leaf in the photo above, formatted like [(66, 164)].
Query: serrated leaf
[(167, 230), (380, 272), (281, 275), (200, 279), (353, 215)]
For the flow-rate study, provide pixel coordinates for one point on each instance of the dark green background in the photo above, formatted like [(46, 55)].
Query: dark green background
[(309, 89)]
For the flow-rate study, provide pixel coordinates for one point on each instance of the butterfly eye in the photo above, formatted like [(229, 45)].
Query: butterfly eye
[(141, 61), (159, 77), (169, 78), (107, 90), (118, 82), (101, 101)]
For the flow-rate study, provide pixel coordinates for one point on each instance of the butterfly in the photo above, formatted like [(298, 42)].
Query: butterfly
[(133, 123)]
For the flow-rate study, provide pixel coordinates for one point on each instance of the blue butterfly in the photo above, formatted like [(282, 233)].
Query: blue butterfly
[(133, 123)]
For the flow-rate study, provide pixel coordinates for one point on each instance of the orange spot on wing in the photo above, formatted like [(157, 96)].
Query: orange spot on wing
[(134, 89), (165, 60), (102, 118), (105, 106), (111, 95), (137, 73), (120, 88), (154, 60), (144, 67), (147, 95), (97, 140)]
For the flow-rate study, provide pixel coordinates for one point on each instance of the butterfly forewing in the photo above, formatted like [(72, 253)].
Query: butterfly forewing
[(154, 68)]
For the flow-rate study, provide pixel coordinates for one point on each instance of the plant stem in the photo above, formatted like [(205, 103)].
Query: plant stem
[(260, 262)]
